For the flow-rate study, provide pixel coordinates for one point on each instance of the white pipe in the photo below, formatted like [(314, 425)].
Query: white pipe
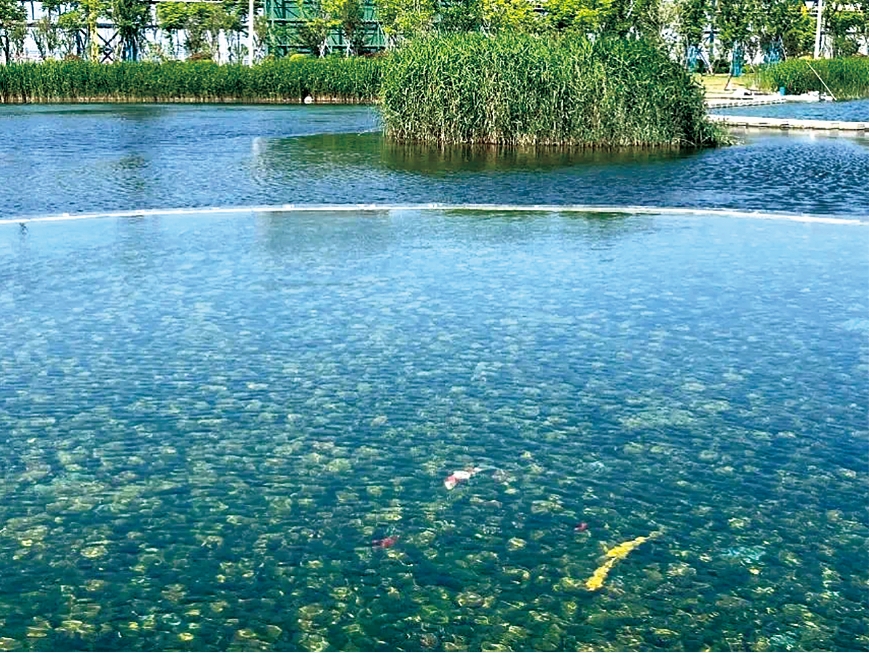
[(818, 29), (531, 208)]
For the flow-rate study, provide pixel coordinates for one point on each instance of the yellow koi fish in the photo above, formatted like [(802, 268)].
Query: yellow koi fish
[(613, 555)]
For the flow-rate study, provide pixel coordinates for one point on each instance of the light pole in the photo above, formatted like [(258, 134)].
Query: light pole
[(818, 29), (250, 34)]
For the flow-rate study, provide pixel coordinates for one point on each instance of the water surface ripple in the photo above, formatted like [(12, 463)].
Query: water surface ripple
[(108, 157), (852, 111)]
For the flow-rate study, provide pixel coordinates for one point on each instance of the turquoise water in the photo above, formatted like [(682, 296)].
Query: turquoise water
[(207, 420)]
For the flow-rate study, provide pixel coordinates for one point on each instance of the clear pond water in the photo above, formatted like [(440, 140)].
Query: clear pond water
[(232, 431), (852, 111)]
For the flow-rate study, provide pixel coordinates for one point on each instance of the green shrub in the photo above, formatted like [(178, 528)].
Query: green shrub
[(847, 77), (524, 89), (353, 79)]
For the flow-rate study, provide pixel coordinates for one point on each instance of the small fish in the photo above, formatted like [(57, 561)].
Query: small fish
[(384, 542), (581, 527), (459, 475)]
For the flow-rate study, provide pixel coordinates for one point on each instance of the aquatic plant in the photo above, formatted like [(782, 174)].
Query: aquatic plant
[(554, 90), (846, 77), (354, 79)]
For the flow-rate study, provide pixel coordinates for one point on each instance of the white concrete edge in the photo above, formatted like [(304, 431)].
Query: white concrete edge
[(790, 123), (519, 208)]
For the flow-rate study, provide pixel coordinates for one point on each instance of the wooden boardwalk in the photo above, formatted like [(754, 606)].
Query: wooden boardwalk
[(759, 122)]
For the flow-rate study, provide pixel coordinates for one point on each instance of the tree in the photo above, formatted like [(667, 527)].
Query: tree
[(70, 24), (785, 24), (91, 11), (47, 37), (348, 15), (47, 33), (261, 30), (13, 28), (201, 23), (131, 18), (314, 30), (846, 23), (459, 16), (171, 19), (235, 25), (733, 20), (583, 16), (316, 25), (636, 18), (402, 19), (201, 29), (693, 17), (514, 15)]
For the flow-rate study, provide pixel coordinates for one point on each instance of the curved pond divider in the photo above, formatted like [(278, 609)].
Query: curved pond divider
[(382, 208)]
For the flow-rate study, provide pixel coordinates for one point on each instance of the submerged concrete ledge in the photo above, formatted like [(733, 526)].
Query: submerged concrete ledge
[(862, 221), (791, 123)]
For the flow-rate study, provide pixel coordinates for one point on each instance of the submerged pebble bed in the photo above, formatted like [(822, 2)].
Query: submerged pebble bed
[(233, 432)]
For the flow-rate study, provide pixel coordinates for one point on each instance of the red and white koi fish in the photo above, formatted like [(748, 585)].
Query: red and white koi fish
[(460, 475)]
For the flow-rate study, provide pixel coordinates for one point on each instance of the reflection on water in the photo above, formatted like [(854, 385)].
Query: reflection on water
[(428, 160), (322, 153), (233, 432), (135, 157)]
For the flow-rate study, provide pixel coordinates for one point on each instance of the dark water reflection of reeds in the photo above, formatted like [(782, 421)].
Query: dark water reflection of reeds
[(207, 421)]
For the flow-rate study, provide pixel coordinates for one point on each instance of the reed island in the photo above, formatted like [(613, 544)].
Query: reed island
[(525, 89)]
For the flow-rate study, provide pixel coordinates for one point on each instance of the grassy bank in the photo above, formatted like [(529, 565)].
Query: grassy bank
[(284, 80), (847, 77), (520, 89)]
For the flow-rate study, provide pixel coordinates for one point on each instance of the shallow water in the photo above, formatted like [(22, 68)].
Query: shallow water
[(208, 419), (110, 157), (853, 110)]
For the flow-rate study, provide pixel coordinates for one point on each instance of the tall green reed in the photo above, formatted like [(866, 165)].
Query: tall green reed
[(847, 77), (353, 80), (523, 89)]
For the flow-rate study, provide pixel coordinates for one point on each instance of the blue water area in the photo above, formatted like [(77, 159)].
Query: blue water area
[(234, 431), (111, 157), (851, 111)]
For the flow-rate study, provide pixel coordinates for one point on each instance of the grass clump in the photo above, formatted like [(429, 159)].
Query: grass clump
[(342, 79), (542, 90), (847, 77)]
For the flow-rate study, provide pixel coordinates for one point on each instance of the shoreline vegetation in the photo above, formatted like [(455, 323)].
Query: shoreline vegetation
[(846, 77), (520, 89), (466, 89), (351, 80), (463, 89)]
